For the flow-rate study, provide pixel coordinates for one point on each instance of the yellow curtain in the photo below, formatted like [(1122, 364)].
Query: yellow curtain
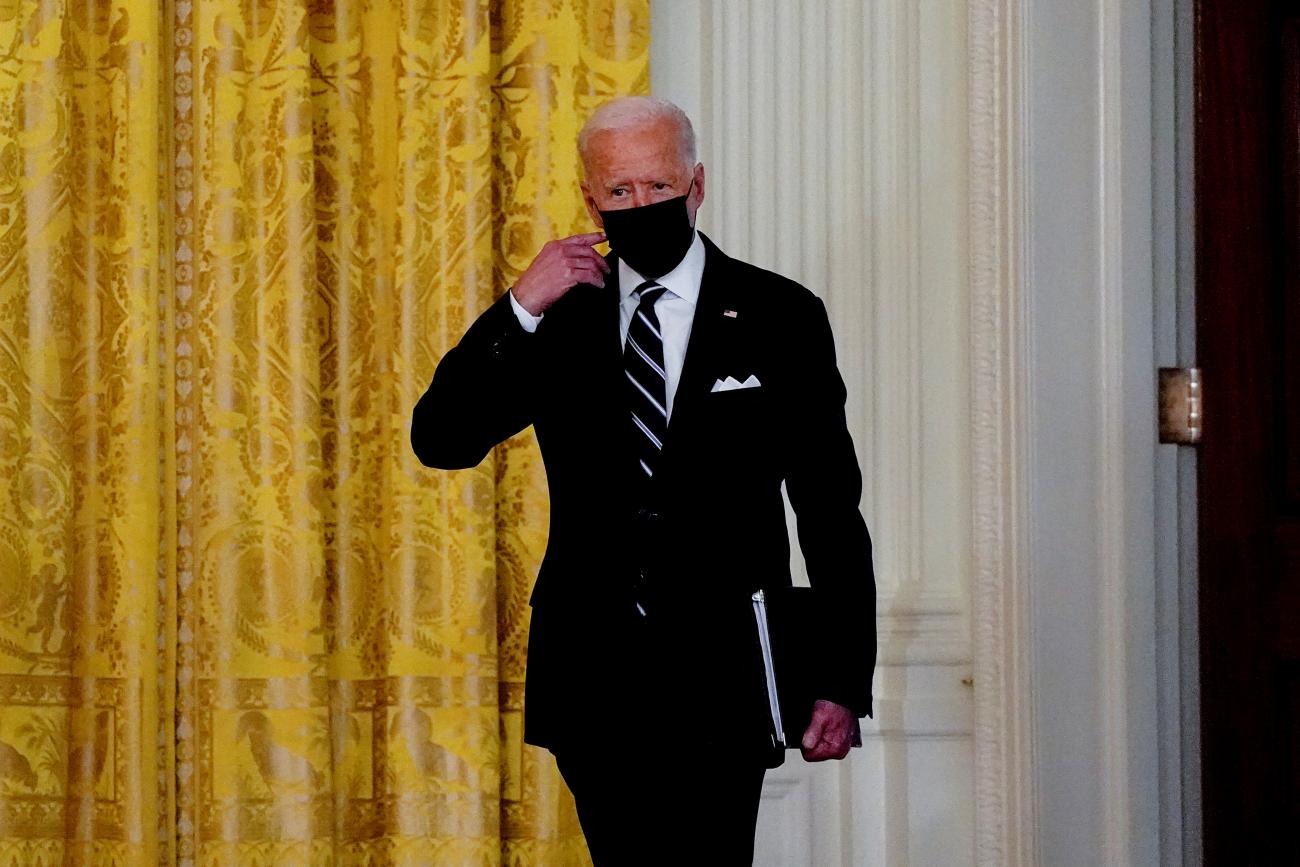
[(239, 623)]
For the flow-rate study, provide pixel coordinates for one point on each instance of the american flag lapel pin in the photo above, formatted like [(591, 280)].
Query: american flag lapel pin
[(729, 313)]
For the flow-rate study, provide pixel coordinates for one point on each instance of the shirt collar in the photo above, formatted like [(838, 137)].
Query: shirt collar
[(683, 281)]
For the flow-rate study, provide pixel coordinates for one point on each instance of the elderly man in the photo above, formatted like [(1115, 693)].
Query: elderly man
[(672, 389)]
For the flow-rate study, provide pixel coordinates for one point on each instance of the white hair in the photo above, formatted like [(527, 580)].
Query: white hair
[(624, 112)]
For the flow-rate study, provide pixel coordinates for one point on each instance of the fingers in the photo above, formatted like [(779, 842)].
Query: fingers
[(579, 247), (813, 735), (574, 244), (827, 748), (586, 257), (590, 276), (586, 240), (586, 268)]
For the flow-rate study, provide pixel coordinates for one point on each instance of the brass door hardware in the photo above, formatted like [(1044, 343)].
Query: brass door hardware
[(1180, 405)]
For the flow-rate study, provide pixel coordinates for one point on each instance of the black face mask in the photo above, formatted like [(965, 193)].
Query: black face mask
[(652, 239)]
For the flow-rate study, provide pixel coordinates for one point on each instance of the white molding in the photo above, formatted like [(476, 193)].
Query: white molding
[(787, 820), (784, 788), (1112, 513), (924, 637), (893, 220), (923, 718), (1005, 804)]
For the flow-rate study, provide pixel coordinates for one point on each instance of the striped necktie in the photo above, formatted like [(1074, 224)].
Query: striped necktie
[(647, 386)]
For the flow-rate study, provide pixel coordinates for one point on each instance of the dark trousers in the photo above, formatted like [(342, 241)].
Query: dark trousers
[(642, 806)]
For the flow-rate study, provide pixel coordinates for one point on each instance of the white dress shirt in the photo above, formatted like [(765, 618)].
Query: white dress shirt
[(675, 309)]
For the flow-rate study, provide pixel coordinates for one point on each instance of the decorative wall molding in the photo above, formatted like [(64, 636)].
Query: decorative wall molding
[(919, 718), (935, 636), (1004, 777), (789, 801)]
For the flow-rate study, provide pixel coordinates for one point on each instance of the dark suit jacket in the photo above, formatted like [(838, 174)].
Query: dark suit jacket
[(710, 530)]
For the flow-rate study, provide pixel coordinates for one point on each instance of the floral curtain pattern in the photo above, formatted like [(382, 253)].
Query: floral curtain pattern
[(239, 622)]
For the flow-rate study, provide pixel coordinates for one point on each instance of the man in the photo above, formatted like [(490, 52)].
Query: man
[(672, 389)]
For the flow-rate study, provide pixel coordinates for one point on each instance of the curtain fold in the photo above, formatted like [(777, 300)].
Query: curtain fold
[(83, 445), (239, 622)]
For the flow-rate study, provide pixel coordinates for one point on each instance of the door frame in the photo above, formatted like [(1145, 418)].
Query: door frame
[(1084, 527)]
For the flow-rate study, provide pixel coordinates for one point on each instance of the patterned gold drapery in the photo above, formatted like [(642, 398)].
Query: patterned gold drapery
[(239, 623)]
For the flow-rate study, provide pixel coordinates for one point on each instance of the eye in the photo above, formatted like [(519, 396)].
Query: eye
[(660, 185), (618, 191)]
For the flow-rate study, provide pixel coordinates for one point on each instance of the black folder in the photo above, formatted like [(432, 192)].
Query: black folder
[(792, 631)]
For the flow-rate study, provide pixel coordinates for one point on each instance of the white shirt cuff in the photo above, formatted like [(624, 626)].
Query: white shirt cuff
[(526, 319)]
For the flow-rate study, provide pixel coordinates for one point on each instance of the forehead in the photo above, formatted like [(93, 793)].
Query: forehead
[(634, 151)]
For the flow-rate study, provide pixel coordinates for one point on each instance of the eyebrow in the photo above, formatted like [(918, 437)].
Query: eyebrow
[(624, 183)]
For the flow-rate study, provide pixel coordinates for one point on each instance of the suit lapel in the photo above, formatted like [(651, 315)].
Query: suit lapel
[(605, 361), (607, 313)]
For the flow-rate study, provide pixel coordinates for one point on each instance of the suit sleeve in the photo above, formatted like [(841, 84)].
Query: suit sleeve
[(480, 394), (824, 484)]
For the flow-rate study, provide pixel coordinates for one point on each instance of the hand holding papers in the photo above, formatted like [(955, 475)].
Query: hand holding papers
[(787, 631)]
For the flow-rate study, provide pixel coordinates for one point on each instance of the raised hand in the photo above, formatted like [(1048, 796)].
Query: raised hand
[(559, 267)]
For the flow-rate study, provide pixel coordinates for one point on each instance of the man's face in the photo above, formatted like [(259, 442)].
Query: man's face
[(639, 165)]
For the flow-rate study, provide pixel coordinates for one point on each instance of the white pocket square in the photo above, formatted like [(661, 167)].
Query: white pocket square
[(731, 383)]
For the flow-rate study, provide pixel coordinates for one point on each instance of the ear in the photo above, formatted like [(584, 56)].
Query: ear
[(696, 197), (590, 202)]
